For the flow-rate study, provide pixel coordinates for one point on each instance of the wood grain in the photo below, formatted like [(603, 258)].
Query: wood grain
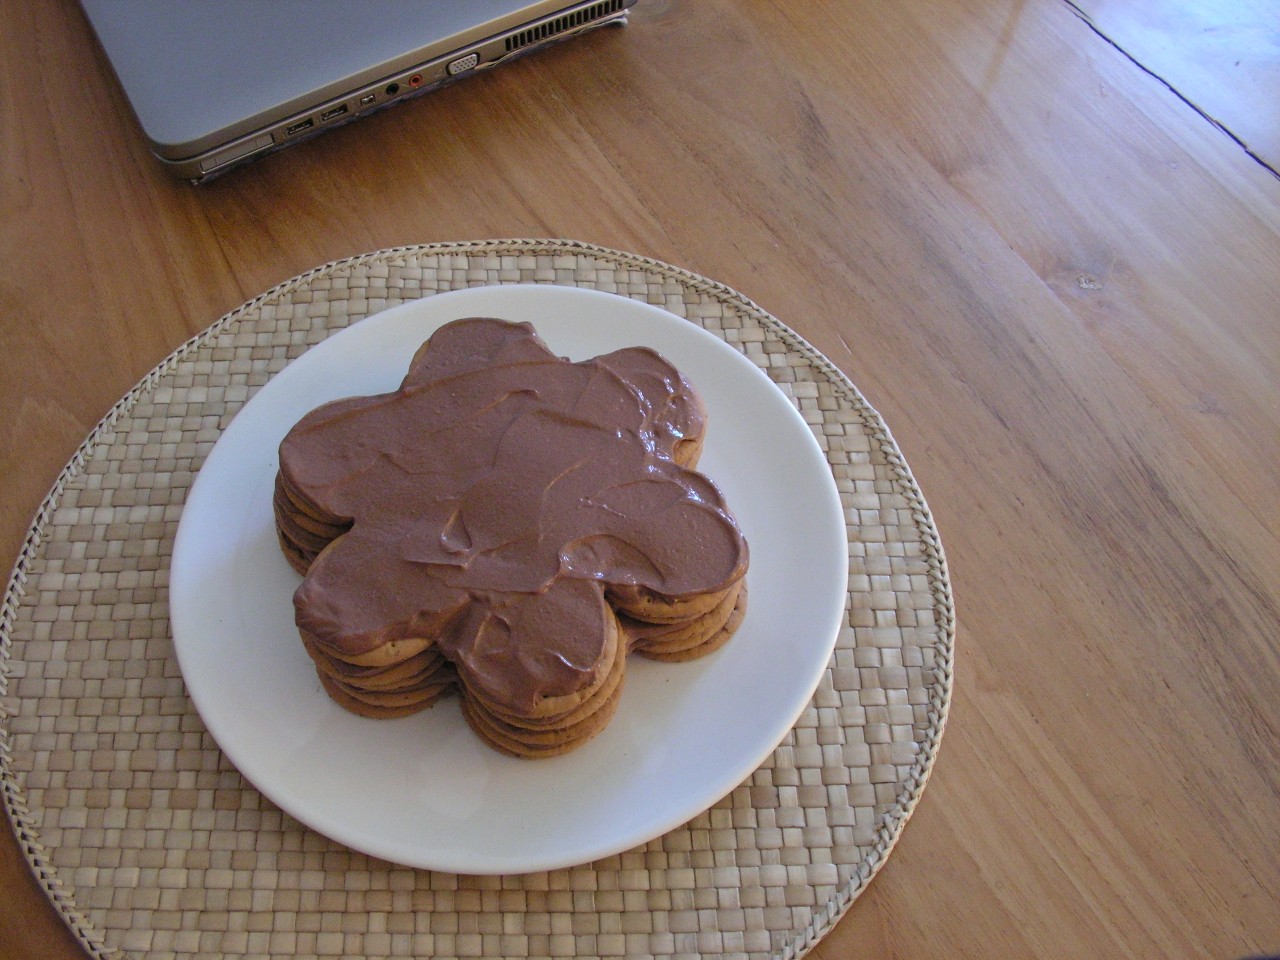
[(1055, 280)]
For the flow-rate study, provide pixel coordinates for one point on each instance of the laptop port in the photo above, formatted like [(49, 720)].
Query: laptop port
[(332, 112), (298, 127), (463, 64)]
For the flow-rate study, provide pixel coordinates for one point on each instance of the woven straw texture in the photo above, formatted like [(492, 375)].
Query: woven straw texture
[(150, 844)]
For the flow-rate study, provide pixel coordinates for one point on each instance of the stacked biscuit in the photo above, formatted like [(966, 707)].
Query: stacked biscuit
[(393, 679), (507, 526)]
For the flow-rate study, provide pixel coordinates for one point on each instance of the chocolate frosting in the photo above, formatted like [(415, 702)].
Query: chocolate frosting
[(497, 497)]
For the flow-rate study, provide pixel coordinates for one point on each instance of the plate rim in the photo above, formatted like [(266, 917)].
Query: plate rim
[(527, 865)]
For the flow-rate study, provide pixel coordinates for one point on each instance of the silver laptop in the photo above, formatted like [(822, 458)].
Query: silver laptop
[(215, 84)]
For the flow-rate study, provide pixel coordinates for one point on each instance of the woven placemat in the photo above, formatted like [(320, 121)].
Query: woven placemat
[(150, 844)]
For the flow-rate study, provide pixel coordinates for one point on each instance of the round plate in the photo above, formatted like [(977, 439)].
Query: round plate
[(423, 790)]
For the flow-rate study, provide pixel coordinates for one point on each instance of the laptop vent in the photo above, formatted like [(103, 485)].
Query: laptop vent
[(569, 21)]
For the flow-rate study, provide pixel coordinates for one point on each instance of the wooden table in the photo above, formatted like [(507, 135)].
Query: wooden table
[(1057, 280)]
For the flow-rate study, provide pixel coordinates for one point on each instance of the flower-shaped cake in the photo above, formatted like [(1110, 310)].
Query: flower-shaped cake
[(508, 524)]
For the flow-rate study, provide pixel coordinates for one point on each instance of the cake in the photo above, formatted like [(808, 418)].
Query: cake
[(508, 526)]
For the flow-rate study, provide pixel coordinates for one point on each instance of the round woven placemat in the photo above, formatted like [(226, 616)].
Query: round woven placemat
[(150, 844)]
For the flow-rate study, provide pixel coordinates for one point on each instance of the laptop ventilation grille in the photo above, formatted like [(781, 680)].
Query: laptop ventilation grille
[(560, 24)]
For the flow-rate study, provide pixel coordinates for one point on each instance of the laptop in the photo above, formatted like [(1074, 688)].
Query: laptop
[(214, 85)]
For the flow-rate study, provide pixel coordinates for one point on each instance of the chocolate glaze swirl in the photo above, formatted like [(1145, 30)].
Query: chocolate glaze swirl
[(499, 498)]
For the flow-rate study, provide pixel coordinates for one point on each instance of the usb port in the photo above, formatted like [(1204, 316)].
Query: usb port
[(298, 127), (332, 112)]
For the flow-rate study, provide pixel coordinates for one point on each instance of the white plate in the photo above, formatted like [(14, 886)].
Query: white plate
[(423, 790)]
